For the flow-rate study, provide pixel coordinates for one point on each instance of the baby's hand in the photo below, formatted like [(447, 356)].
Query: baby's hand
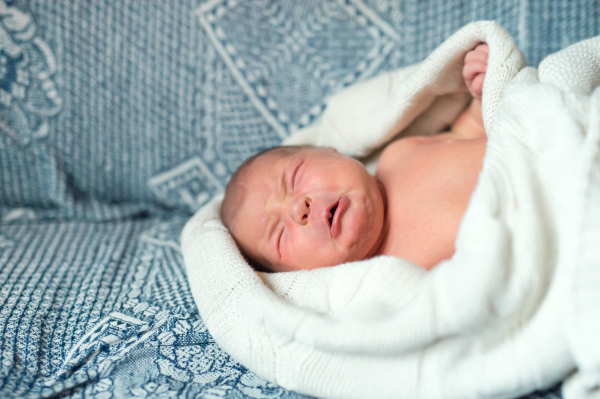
[(474, 69)]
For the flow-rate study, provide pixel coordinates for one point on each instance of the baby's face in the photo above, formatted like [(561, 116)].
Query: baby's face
[(309, 209)]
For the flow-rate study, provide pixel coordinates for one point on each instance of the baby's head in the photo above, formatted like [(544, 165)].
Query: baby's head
[(304, 207)]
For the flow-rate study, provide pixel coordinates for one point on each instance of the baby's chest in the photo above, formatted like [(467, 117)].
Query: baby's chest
[(428, 188)]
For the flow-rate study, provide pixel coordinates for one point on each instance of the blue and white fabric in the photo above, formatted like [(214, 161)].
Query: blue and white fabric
[(120, 118)]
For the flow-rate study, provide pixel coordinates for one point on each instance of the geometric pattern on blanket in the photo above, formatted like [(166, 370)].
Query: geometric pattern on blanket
[(104, 311), (154, 104), (111, 111)]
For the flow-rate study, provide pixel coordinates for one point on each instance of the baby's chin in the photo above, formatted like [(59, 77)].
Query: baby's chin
[(363, 227), (352, 254), (320, 259), (333, 257), (360, 245)]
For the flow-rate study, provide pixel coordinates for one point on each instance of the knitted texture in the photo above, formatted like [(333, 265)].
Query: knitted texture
[(156, 103), (121, 112), (104, 311), (514, 309)]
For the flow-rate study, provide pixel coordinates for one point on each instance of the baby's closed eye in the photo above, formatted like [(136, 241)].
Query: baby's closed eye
[(295, 175)]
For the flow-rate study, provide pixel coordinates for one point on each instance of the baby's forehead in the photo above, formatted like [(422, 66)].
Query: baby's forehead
[(267, 170), (286, 152), (274, 158), (262, 177)]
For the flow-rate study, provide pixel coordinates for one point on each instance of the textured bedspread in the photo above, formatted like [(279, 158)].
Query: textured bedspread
[(117, 119), (103, 310), (514, 309)]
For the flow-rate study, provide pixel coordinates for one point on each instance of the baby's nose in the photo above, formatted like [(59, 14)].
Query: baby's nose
[(301, 210)]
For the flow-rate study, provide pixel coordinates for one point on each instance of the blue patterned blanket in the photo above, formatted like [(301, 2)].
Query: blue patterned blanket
[(119, 118)]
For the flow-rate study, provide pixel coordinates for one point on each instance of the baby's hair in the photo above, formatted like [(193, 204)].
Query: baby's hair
[(235, 193)]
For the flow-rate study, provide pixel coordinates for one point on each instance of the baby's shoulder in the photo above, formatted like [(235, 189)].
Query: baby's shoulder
[(399, 151)]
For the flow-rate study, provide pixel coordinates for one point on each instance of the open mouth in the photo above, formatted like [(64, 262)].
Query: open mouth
[(336, 212), (332, 213)]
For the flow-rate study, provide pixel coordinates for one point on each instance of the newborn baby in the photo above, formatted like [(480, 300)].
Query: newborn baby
[(304, 207)]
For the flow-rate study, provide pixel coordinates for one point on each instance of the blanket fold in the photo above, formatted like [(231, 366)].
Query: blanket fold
[(514, 310)]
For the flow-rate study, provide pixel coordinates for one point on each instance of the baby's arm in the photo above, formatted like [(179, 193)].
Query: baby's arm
[(470, 124)]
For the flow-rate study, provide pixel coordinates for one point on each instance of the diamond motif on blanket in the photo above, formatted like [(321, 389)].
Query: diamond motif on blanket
[(165, 234), (191, 183), (264, 63)]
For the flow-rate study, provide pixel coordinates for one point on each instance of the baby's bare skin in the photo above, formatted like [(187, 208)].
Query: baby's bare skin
[(429, 181), (313, 207)]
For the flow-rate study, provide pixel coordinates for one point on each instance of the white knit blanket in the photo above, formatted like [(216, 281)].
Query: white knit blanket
[(517, 308)]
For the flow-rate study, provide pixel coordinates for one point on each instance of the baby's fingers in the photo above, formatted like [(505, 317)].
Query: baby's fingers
[(473, 69), (476, 56), (476, 88), (483, 47)]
